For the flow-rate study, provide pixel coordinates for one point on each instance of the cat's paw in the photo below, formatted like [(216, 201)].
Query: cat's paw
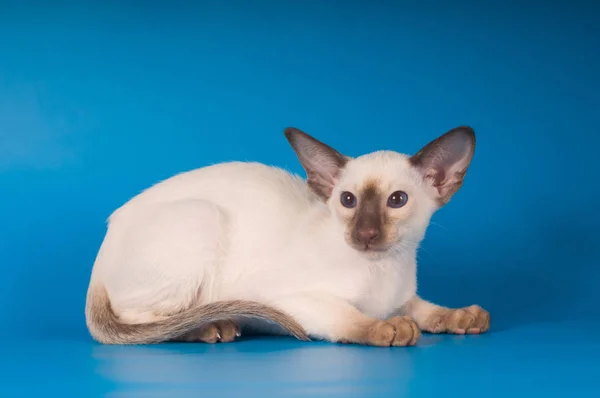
[(471, 320), (407, 331), (398, 331), (217, 332)]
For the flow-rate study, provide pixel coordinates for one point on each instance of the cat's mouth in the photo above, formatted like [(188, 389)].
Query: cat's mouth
[(371, 248)]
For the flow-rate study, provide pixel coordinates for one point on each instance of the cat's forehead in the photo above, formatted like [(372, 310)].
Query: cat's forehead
[(387, 169)]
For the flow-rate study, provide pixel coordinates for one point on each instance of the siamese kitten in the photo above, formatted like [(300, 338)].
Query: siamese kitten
[(203, 255)]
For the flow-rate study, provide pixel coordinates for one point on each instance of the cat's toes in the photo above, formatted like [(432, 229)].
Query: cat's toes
[(481, 324), (217, 332), (206, 334), (380, 333), (228, 331), (472, 320), (407, 331), (399, 331)]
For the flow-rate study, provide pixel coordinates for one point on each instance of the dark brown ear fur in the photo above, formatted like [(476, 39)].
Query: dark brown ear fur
[(445, 160), (322, 163)]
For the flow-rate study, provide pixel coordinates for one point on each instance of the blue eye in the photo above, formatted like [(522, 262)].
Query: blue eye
[(348, 199), (397, 199)]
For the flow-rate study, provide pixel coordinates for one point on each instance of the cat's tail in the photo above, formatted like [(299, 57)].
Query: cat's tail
[(105, 327)]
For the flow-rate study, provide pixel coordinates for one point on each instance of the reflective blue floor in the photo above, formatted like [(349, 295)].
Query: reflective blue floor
[(549, 360)]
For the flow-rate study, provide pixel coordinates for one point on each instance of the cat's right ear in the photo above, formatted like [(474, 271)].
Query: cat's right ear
[(322, 163)]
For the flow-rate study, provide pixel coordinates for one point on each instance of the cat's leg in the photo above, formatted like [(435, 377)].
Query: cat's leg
[(333, 319), (160, 259), (433, 318)]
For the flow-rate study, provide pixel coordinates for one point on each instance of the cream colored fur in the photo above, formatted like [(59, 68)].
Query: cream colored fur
[(251, 232)]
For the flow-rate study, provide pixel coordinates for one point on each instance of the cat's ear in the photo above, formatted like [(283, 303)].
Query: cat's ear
[(444, 162), (322, 163)]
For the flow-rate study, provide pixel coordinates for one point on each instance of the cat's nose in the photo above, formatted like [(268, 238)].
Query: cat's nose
[(368, 234)]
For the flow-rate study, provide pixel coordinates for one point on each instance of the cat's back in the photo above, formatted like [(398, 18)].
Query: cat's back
[(231, 185)]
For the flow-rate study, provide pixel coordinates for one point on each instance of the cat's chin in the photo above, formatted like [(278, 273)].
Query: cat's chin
[(375, 254)]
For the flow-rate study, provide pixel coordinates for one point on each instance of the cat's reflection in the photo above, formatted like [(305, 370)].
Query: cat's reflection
[(278, 366)]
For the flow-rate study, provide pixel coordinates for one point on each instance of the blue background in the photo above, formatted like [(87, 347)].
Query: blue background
[(100, 100)]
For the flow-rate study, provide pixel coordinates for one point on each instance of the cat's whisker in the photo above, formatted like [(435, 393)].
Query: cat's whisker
[(439, 225)]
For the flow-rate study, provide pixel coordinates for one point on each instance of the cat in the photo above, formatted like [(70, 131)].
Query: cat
[(210, 253)]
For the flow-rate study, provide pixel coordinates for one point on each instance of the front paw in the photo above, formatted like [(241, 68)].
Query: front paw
[(397, 331), (472, 320)]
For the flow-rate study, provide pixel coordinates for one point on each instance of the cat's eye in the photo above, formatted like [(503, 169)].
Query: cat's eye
[(348, 199), (397, 199)]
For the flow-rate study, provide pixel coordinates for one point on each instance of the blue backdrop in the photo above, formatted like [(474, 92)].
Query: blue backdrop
[(98, 100)]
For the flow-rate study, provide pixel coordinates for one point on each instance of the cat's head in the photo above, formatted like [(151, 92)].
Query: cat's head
[(385, 199)]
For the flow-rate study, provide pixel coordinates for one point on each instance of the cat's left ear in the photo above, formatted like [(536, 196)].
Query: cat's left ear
[(444, 162), (322, 163)]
